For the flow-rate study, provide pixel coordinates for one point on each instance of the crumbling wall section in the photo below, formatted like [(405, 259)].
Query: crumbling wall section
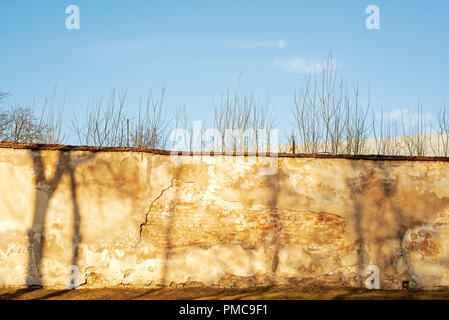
[(88, 218)]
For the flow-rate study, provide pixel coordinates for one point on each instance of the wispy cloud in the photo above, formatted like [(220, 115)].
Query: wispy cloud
[(408, 118), (301, 65), (251, 44)]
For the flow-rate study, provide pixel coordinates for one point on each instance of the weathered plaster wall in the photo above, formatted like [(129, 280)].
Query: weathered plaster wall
[(145, 219)]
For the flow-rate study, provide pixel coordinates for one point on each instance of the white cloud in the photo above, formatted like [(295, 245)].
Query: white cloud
[(408, 118), (301, 65), (396, 114), (251, 44)]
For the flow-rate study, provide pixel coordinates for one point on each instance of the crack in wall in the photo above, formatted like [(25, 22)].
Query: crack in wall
[(151, 206)]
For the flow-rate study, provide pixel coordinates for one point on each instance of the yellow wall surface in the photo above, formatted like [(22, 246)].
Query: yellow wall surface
[(140, 218)]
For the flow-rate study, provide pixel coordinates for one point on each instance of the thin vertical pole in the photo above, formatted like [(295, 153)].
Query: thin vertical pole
[(127, 132), (293, 144)]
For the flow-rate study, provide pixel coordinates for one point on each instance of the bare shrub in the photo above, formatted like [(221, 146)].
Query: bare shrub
[(149, 131), (415, 132), (357, 129), (328, 117), (180, 121), (307, 119), (442, 130), (385, 135), (108, 124), (243, 124), (105, 123)]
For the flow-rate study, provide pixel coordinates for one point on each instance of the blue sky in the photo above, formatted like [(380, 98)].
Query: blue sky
[(201, 48)]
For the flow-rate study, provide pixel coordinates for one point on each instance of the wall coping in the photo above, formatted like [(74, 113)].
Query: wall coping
[(57, 147)]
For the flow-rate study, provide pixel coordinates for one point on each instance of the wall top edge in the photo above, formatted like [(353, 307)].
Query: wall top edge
[(372, 157)]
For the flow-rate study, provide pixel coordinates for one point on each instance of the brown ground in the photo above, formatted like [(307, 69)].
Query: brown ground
[(208, 293)]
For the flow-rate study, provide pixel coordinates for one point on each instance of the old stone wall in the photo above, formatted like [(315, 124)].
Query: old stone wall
[(142, 218)]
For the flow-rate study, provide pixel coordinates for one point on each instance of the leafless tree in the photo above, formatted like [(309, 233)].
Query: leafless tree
[(3, 95), (328, 116), (357, 127), (442, 130), (243, 124), (179, 121), (306, 116), (105, 124), (149, 131), (108, 124), (415, 134), (385, 135), (24, 124)]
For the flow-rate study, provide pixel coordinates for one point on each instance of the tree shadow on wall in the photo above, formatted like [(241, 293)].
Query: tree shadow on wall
[(271, 240), (358, 187), (273, 182), (44, 191), (170, 225), (431, 204), (389, 188), (388, 220), (169, 222), (368, 202)]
